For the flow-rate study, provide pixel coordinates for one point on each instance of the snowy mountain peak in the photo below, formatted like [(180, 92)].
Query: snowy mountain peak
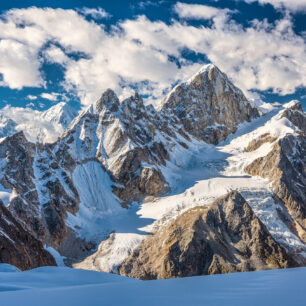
[(61, 114), (294, 105), (38, 126), (209, 68), (108, 100), (134, 104), (7, 126), (208, 105)]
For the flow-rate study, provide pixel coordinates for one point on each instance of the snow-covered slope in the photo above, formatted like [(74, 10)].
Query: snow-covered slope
[(60, 114), (38, 126), (65, 287)]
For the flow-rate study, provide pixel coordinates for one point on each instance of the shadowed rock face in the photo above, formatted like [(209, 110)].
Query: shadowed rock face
[(285, 166), (18, 175), (18, 247), (209, 106), (221, 238)]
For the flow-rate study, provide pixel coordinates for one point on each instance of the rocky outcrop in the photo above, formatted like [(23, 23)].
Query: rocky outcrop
[(296, 115), (285, 166), (224, 237), (43, 191), (122, 138), (17, 174), (208, 106), (257, 143), (18, 247)]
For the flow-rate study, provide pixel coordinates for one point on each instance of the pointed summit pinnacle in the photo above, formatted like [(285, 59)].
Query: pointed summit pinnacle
[(109, 100)]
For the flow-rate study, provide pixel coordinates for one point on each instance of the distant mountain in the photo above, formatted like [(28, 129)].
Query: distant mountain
[(60, 114), (38, 126), (7, 126), (120, 170)]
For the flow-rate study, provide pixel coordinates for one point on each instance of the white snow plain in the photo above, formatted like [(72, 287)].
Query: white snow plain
[(57, 286)]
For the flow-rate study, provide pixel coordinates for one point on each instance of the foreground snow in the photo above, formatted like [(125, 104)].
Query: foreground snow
[(51, 286)]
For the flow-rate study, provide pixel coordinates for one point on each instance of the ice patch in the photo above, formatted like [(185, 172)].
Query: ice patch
[(58, 258), (117, 248), (97, 202)]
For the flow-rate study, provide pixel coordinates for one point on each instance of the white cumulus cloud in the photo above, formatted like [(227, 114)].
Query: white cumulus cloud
[(293, 5), (31, 97), (56, 55), (19, 65), (136, 53), (198, 11), (96, 13), (50, 96)]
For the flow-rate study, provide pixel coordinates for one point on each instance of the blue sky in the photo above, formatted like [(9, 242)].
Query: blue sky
[(52, 51)]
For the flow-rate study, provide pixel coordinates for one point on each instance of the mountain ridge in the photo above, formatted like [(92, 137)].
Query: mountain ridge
[(102, 184)]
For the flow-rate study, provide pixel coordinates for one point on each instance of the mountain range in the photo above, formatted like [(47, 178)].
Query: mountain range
[(208, 182)]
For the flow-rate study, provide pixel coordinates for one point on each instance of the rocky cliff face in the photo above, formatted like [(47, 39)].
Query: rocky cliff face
[(224, 237), (17, 174), (18, 247), (122, 138), (42, 192), (285, 166), (208, 106)]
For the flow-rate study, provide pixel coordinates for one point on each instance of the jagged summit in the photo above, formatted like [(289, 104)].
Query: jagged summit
[(109, 100), (208, 68), (208, 105)]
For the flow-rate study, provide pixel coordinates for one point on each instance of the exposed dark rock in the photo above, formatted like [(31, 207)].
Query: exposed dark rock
[(257, 143), (285, 166), (18, 247), (221, 238), (209, 106)]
